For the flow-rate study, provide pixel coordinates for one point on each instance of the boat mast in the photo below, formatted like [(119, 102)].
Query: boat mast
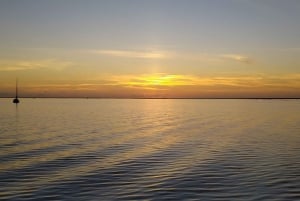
[(16, 87), (16, 100)]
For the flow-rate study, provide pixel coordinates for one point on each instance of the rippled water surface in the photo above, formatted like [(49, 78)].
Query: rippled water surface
[(113, 149)]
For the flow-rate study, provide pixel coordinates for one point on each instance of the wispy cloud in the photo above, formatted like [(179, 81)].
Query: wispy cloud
[(238, 58), (290, 49), (33, 64), (172, 80), (158, 79), (171, 85), (132, 54), (213, 58)]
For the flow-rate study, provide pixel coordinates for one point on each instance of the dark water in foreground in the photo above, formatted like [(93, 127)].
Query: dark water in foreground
[(110, 149)]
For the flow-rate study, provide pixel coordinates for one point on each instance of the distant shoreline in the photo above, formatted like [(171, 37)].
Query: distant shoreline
[(264, 98)]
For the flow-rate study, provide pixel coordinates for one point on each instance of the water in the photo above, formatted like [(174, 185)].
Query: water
[(113, 149)]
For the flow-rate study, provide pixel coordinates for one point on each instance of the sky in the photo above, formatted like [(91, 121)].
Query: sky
[(150, 48)]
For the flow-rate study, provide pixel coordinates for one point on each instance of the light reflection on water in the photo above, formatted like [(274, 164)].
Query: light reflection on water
[(150, 149)]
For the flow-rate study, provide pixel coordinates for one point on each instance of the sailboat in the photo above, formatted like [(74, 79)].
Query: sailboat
[(16, 100)]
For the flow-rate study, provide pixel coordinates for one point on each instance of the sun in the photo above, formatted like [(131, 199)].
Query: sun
[(160, 80), (155, 81)]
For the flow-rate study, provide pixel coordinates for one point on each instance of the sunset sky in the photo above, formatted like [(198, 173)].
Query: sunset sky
[(150, 48)]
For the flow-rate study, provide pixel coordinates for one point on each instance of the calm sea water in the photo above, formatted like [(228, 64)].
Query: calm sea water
[(112, 149)]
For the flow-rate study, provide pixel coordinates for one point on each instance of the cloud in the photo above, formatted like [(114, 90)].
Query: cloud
[(291, 49), (132, 54), (196, 56), (168, 85), (212, 58), (33, 64), (160, 80), (238, 58)]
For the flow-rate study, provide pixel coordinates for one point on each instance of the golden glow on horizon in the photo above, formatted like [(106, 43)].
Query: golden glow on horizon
[(60, 78), (166, 85), (145, 80)]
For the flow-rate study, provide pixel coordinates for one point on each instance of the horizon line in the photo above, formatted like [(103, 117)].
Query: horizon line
[(70, 97)]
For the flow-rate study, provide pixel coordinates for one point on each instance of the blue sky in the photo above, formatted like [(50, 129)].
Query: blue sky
[(186, 24)]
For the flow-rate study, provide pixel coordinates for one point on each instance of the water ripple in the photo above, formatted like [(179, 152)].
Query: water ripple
[(150, 150)]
